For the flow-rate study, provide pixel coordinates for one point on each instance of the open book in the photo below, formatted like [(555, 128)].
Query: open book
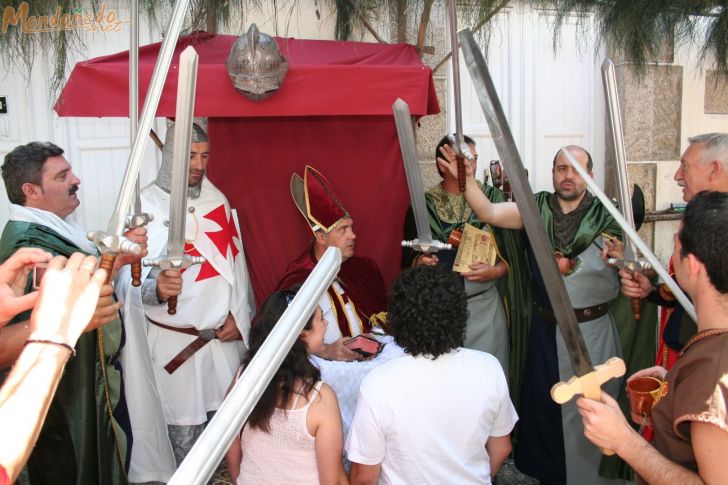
[(476, 246)]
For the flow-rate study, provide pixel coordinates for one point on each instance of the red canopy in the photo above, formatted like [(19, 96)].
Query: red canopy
[(324, 78), (333, 112)]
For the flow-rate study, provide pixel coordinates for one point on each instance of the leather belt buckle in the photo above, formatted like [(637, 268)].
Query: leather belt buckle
[(207, 334), (587, 313)]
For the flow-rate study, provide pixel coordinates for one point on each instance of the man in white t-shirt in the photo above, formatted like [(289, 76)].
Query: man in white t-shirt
[(440, 413)]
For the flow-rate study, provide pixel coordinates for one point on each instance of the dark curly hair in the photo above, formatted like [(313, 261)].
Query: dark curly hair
[(427, 311), (296, 375)]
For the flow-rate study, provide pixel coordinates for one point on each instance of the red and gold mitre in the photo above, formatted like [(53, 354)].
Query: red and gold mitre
[(316, 201)]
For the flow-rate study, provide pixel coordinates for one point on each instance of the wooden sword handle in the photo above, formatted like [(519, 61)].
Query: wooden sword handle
[(460, 159), (107, 263), (636, 307), (136, 273), (172, 305)]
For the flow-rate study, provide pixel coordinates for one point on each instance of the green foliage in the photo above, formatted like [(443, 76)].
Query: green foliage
[(640, 27)]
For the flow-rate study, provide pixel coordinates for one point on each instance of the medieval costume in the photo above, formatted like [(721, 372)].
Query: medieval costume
[(193, 372), (357, 299), (551, 444), (487, 327), (85, 438)]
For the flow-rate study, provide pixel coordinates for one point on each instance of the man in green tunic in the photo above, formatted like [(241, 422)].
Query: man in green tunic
[(83, 439), (491, 289)]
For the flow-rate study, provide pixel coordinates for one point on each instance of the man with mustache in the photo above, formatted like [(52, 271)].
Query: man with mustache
[(551, 445), (85, 437), (196, 351), (703, 166), (357, 299)]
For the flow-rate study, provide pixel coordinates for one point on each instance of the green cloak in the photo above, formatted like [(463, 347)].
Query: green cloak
[(80, 442), (637, 337)]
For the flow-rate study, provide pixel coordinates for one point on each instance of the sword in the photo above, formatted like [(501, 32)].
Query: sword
[(424, 242), (622, 177), (587, 380), (112, 242), (632, 234), (176, 258), (457, 142), (136, 217), (203, 458)]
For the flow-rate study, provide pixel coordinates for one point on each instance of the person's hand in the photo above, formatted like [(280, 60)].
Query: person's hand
[(423, 259), (67, 298), (338, 351), (169, 283), (485, 272), (604, 423), (613, 248), (654, 371), (635, 284), (107, 309), (229, 331), (139, 236), (448, 162), (13, 280)]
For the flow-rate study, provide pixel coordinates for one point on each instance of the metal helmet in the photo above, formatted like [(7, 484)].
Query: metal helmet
[(255, 66)]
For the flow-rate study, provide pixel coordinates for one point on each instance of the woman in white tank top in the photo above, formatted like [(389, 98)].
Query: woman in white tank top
[(294, 433)]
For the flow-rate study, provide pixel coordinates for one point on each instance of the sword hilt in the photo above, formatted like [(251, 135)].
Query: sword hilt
[(636, 307), (132, 222), (178, 264), (426, 247), (461, 172)]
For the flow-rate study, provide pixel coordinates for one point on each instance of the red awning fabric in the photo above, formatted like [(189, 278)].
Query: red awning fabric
[(325, 78), (334, 112)]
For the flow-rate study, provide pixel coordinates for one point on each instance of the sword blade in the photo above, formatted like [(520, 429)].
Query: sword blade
[(542, 248), (632, 234), (406, 135), (620, 155), (455, 60), (186, 84), (151, 102), (203, 458)]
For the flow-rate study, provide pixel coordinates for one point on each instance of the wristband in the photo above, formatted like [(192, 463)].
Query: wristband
[(65, 345)]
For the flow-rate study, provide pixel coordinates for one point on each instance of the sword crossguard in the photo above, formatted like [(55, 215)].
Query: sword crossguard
[(113, 243), (426, 247), (174, 263), (138, 220), (589, 384), (640, 265)]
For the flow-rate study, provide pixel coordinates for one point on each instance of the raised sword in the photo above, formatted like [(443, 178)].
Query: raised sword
[(587, 379), (632, 234), (457, 141), (112, 241), (424, 242), (176, 258), (624, 198)]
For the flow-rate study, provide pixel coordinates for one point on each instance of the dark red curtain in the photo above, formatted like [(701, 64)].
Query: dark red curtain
[(252, 160)]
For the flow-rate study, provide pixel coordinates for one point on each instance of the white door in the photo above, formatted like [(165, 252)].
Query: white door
[(550, 98)]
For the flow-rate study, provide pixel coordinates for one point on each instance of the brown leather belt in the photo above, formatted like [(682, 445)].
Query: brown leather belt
[(203, 336), (582, 314)]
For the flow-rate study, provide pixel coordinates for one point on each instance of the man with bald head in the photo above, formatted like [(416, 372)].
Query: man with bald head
[(551, 444)]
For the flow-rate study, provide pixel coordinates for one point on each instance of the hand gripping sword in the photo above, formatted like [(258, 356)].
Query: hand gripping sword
[(424, 242), (631, 260), (176, 258), (457, 142), (112, 242), (587, 379), (632, 234)]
